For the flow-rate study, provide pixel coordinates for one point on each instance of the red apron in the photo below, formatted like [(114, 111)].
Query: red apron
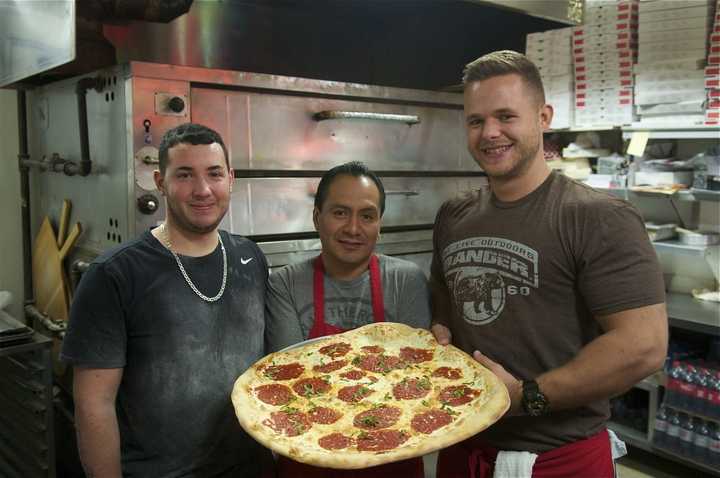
[(473, 458), (288, 468)]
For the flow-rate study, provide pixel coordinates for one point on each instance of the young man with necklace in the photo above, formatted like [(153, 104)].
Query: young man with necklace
[(161, 326), (345, 287)]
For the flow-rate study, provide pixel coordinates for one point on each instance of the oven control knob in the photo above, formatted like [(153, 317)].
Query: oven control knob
[(176, 104), (148, 204)]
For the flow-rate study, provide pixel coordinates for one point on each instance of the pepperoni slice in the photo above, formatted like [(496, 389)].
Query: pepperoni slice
[(376, 418), (412, 388), (354, 393), (377, 363), (284, 372), (331, 366), (274, 394), (447, 372), (311, 387), (335, 350), (457, 395), (428, 422), (290, 423), (413, 355), (353, 374), (372, 349), (381, 440), (335, 441), (324, 415)]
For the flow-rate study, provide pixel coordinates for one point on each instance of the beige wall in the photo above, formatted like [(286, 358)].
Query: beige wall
[(11, 263)]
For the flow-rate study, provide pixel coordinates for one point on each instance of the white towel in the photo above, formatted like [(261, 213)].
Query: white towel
[(514, 464), (617, 446)]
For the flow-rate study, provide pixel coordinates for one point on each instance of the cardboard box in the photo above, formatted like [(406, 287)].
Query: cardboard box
[(672, 75), (702, 11), (652, 56), (604, 74), (675, 24), (685, 107), (609, 27), (660, 178), (603, 84), (608, 17), (678, 64), (678, 43), (671, 5), (669, 35), (605, 37), (588, 48), (674, 96), (614, 56), (653, 87), (604, 65)]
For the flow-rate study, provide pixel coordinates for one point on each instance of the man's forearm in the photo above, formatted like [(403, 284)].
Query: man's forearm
[(609, 365), (99, 441)]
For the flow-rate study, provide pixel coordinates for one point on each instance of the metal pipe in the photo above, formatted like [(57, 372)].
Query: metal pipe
[(85, 166), (58, 327), (25, 196)]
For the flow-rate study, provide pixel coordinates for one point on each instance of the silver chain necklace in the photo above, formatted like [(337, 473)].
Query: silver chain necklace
[(166, 235)]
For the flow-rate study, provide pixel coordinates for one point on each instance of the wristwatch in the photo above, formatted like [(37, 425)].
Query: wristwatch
[(534, 402)]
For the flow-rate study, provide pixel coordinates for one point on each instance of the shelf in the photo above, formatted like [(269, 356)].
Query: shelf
[(684, 195), (688, 313), (694, 414), (670, 132), (676, 246), (684, 460), (582, 129), (631, 436)]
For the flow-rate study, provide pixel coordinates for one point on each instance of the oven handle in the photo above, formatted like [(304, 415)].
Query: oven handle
[(327, 115)]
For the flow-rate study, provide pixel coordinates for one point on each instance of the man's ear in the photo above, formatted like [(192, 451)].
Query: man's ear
[(232, 178), (546, 116), (159, 181), (316, 214)]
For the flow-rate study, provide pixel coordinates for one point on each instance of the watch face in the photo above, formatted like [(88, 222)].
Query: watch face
[(533, 401)]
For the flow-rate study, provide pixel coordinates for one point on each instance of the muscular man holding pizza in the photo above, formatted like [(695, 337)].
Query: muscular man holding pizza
[(554, 286), (346, 286), (162, 325)]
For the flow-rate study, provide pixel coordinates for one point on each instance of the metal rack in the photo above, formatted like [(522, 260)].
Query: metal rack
[(27, 447)]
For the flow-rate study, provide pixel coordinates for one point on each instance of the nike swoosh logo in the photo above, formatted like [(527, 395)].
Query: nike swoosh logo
[(245, 261)]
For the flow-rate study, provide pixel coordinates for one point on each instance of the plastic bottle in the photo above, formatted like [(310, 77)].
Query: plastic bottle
[(714, 446), (702, 378), (686, 435), (673, 385), (686, 394), (713, 409), (661, 425), (673, 431), (701, 442)]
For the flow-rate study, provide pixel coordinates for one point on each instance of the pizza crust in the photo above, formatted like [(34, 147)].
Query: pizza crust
[(473, 417)]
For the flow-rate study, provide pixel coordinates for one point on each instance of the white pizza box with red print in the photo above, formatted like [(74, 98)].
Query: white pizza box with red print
[(609, 56), (607, 38), (590, 48), (671, 120), (671, 5), (712, 117), (695, 83), (687, 11), (598, 72), (605, 28), (677, 64), (675, 24), (662, 109), (605, 68), (714, 39), (669, 97), (713, 59), (696, 35), (677, 43), (558, 83), (604, 84), (601, 119), (610, 6), (557, 69), (619, 96), (548, 59), (654, 56), (672, 75)]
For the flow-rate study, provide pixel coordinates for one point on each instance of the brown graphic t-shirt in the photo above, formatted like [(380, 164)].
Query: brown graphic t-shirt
[(521, 282)]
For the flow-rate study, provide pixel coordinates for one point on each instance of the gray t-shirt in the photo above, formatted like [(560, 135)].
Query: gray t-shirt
[(348, 304)]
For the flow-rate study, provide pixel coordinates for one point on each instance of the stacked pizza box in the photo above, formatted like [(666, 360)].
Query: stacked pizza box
[(605, 49), (669, 74), (550, 51), (712, 73)]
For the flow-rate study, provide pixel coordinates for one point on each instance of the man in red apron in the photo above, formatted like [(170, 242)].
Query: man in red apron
[(555, 283), (345, 287)]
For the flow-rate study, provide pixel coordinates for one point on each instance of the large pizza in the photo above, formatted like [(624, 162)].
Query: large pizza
[(377, 394)]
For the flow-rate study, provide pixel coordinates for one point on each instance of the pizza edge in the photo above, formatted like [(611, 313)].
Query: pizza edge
[(483, 414)]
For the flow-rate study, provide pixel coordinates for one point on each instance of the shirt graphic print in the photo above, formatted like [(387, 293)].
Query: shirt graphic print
[(483, 272)]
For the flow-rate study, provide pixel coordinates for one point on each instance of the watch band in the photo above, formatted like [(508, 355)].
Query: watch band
[(534, 402)]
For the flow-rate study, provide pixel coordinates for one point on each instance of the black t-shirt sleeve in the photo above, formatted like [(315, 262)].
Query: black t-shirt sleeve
[(96, 335), (618, 268)]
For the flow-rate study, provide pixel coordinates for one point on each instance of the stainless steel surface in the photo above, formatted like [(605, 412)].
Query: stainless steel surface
[(569, 12), (35, 36), (273, 142), (335, 115)]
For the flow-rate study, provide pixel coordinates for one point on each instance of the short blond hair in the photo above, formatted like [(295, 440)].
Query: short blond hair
[(505, 62)]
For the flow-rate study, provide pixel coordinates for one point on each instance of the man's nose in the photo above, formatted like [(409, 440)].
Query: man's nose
[(202, 187), (353, 224), (491, 129)]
